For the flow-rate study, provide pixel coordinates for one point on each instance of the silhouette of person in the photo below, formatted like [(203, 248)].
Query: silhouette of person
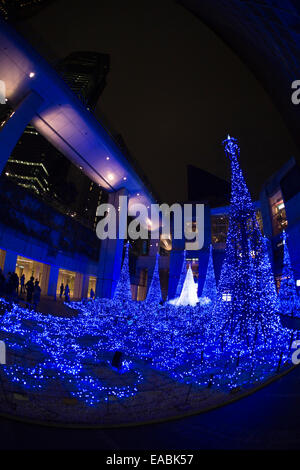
[(22, 282), (15, 283), (36, 294), (92, 294), (67, 293), (61, 290), (30, 289)]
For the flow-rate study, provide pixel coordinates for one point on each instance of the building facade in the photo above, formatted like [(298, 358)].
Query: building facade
[(85, 72), (280, 206)]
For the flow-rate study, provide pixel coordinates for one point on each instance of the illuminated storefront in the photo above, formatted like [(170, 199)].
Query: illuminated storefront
[(2, 258), (74, 281), (31, 268), (92, 285), (279, 219)]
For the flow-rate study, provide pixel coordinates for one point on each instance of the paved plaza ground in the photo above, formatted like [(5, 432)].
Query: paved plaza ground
[(268, 419)]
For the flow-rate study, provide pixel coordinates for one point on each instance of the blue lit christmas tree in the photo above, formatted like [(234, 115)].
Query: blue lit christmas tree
[(210, 286), (246, 307), (268, 280), (154, 292), (123, 289), (182, 276), (287, 292)]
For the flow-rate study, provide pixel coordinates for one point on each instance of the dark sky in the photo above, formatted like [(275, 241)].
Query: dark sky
[(174, 89)]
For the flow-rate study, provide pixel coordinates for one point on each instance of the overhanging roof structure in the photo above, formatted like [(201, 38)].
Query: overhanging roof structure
[(265, 34), (64, 121)]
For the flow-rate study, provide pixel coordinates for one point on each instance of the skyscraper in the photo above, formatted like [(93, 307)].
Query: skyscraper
[(85, 72), (39, 167)]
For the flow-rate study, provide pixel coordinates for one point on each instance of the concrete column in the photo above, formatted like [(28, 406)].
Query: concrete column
[(10, 262), (85, 286), (110, 259), (53, 279), (78, 286), (14, 127)]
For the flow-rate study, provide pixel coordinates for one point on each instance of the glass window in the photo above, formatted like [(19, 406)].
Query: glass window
[(92, 284), (278, 213), (74, 281), (219, 229), (2, 258), (31, 268)]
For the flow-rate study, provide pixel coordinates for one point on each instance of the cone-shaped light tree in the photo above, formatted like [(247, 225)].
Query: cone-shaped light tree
[(287, 292), (123, 289), (246, 306), (154, 292), (268, 280), (210, 286), (182, 275), (188, 294)]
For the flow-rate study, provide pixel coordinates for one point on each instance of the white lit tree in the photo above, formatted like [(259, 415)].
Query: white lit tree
[(188, 294)]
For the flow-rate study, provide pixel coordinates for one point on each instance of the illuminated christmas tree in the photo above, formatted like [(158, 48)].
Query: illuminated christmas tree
[(210, 287), (182, 275), (154, 292), (268, 281), (123, 289), (287, 292), (246, 304), (188, 294)]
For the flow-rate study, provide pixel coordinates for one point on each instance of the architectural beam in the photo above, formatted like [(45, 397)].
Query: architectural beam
[(15, 125)]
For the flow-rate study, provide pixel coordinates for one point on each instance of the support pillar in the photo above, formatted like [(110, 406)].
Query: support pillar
[(14, 127), (78, 286), (110, 259), (10, 262), (53, 279), (85, 286)]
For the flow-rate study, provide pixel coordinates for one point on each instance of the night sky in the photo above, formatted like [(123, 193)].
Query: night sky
[(174, 89)]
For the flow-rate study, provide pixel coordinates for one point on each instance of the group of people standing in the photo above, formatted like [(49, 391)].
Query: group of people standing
[(11, 283), (65, 290), (11, 286)]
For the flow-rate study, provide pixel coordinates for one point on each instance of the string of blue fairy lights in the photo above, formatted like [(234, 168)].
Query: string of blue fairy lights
[(232, 341)]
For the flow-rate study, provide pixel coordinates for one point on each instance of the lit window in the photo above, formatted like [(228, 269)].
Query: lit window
[(226, 297)]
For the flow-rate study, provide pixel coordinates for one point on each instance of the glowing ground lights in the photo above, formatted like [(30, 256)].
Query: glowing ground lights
[(227, 343)]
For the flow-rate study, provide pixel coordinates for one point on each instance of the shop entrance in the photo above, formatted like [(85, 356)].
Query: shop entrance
[(29, 267), (74, 281), (92, 285), (2, 258)]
